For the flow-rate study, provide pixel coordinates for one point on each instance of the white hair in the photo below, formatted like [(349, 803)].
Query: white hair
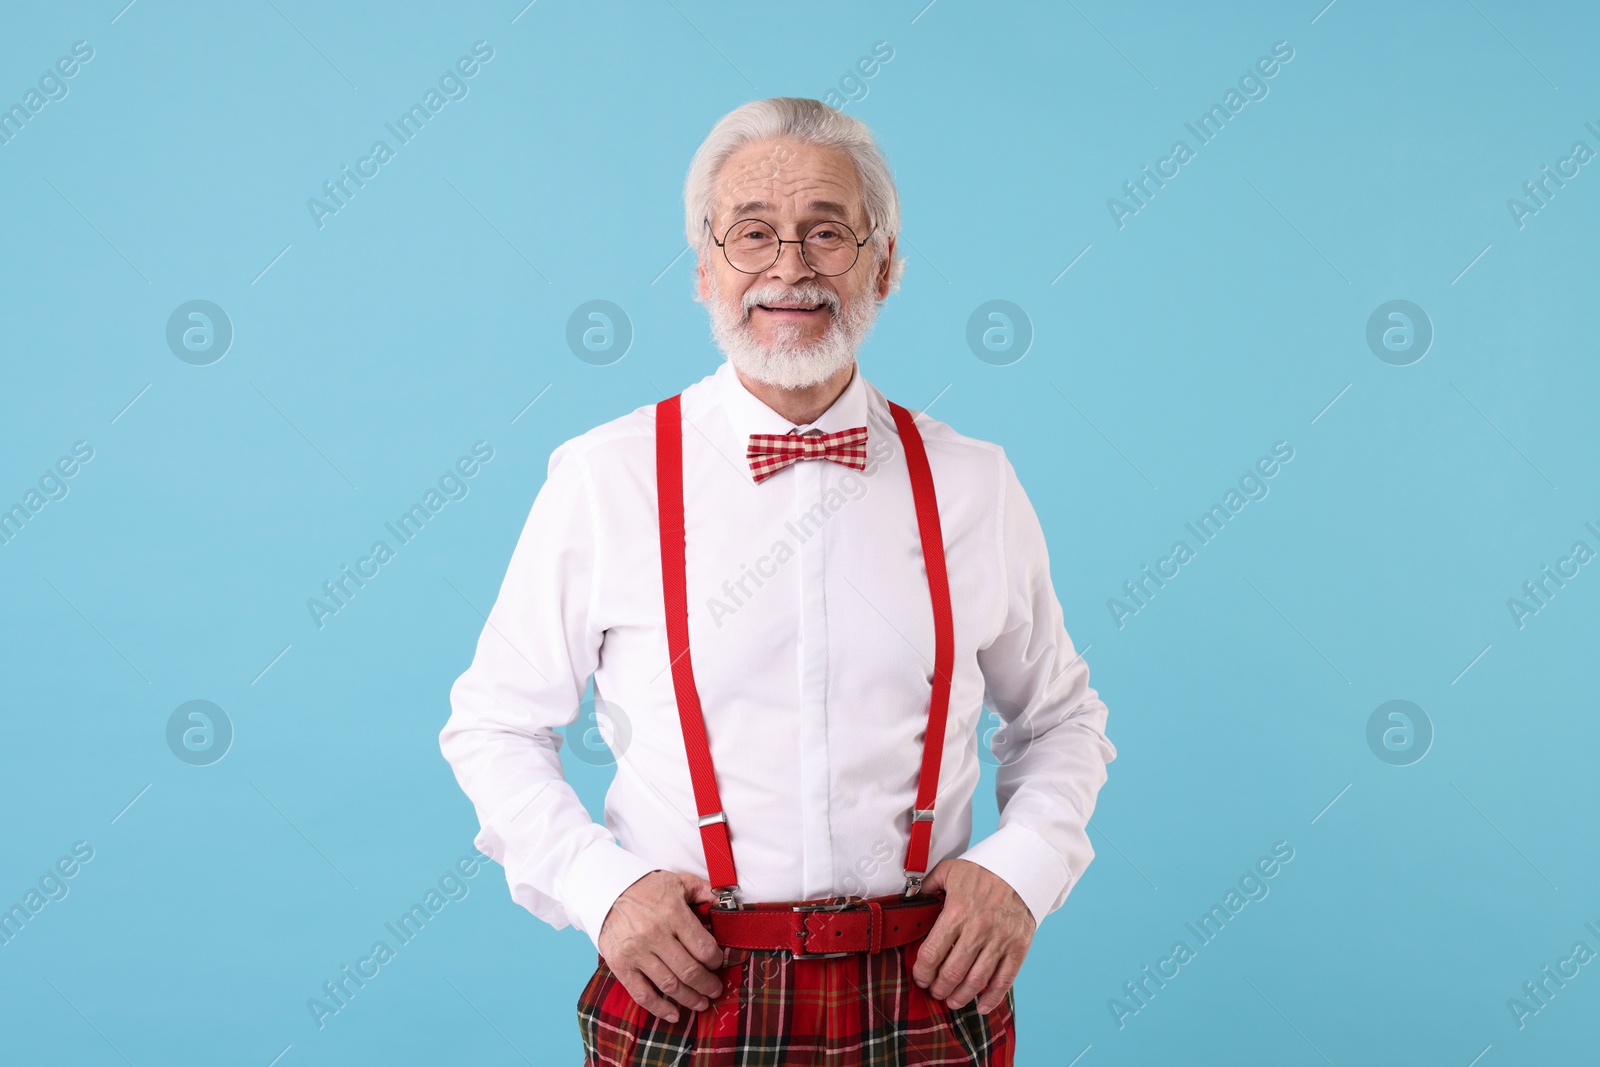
[(810, 122)]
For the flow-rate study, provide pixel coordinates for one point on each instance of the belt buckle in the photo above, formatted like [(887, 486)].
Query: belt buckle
[(839, 906)]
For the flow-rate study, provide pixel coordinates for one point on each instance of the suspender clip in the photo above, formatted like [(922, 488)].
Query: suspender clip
[(913, 884), (725, 898)]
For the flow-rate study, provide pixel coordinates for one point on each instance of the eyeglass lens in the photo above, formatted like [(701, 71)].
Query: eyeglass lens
[(829, 248)]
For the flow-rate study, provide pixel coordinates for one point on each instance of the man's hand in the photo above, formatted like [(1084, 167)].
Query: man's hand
[(657, 947), (980, 939)]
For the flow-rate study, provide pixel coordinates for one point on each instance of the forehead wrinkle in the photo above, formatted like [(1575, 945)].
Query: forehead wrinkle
[(777, 170), (792, 195)]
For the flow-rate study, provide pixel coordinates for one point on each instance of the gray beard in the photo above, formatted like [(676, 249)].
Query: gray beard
[(790, 363)]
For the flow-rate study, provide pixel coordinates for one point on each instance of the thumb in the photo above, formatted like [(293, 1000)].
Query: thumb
[(935, 879), (697, 890)]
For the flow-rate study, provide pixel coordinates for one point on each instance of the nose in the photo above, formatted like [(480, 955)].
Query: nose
[(790, 266)]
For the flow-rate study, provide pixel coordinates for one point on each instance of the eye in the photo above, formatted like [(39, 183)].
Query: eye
[(753, 234)]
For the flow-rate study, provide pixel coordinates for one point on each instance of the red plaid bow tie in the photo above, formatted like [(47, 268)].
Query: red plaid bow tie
[(769, 453)]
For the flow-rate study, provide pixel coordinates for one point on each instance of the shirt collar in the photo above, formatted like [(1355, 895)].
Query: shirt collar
[(748, 414)]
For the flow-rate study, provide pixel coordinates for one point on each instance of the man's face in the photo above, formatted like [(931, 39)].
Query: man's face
[(788, 325)]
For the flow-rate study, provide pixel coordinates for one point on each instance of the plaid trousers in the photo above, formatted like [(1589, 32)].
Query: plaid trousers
[(861, 1010)]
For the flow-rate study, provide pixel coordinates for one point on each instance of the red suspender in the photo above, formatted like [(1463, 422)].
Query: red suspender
[(713, 823), (944, 643), (669, 491)]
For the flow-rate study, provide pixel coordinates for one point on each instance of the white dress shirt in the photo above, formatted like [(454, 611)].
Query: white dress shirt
[(811, 635)]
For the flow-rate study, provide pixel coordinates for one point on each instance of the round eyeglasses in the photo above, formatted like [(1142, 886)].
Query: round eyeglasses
[(829, 249)]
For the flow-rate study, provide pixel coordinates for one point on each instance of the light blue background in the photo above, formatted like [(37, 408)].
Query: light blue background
[(1228, 314)]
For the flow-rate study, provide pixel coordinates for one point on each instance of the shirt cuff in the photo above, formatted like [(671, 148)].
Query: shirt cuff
[(1028, 864), (595, 880)]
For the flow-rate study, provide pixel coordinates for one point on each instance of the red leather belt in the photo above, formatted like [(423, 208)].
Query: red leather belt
[(823, 928)]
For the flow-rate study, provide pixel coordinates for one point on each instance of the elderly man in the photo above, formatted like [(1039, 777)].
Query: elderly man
[(791, 878)]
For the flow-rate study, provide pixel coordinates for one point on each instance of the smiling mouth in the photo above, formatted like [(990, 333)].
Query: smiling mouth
[(793, 309)]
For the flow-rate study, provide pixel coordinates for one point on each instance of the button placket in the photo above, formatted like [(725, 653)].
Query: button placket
[(815, 769)]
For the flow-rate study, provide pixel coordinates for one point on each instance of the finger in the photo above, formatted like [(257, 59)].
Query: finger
[(1000, 983), (934, 946), (977, 976), (697, 890), (644, 993), (957, 963), (935, 878), (672, 987), (696, 939), (691, 971)]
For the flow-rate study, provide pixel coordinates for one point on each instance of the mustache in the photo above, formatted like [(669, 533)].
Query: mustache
[(790, 295)]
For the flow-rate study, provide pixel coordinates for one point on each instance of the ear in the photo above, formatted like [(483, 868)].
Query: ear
[(703, 282), (881, 283)]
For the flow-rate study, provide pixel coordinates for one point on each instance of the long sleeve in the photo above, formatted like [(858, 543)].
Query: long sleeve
[(528, 674), (1052, 750)]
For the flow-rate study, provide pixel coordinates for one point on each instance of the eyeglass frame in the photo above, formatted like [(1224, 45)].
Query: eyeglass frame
[(785, 241)]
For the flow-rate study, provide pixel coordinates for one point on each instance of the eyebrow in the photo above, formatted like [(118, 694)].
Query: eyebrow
[(823, 207)]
